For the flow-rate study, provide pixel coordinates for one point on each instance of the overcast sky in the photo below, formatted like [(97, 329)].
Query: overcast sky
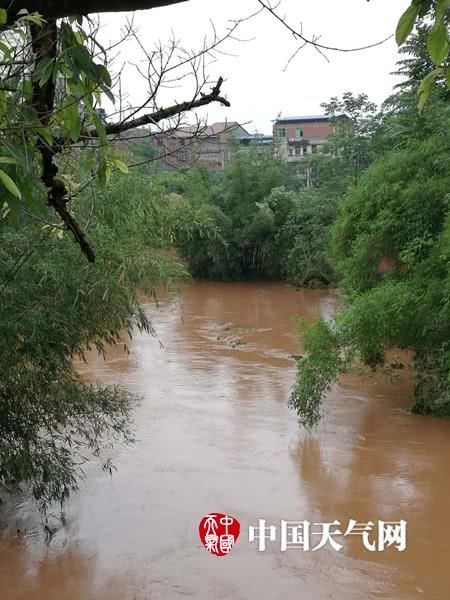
[(256, 83)]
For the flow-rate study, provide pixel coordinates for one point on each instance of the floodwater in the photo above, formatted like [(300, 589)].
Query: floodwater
[(215, 434)]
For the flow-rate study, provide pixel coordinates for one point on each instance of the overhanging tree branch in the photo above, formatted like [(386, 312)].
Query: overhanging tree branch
[(64, 102), (56, 9), (57, 191), (167, 113)]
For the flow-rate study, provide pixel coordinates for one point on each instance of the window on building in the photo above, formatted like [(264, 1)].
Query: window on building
[(314, 148), (298, 132), (282, 132), (291, 150), (298, 150)]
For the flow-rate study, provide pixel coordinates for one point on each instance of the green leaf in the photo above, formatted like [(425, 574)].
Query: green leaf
[(27, 89), (72, 119), (83, 60), (101, 131), (98, 96), (441, 9), (123, 167), (76, 87), (9, 184), (34, 18), (437, 43), (43, 70), (102, 172), (109, 94), (8, 160), (3, 16), (448, 77), (4, 211), (104, 75), (425, 87), (5, 49), (80, 36), (406, 23), (45, 133), (64, 69)]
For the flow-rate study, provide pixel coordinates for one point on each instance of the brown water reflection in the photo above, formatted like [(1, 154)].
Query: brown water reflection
[(215, 434)]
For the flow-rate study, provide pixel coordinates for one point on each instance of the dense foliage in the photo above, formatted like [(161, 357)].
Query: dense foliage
[(389, 244), (241, 209), (262, 223), (53, 305), (390, 248), (436, 39), (59, 183)]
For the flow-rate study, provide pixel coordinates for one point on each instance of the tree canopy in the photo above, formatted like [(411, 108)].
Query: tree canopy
[(389, 248)]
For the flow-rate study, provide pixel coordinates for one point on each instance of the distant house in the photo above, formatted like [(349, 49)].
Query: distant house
[(209, 146), (262, 144), (295, 137)]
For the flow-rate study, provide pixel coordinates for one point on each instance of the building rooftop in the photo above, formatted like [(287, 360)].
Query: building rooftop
[(203, 130), (258, 138), (255, 136), (307, 118)]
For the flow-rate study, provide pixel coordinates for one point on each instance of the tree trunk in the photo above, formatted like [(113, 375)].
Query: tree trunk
[(65, 8)]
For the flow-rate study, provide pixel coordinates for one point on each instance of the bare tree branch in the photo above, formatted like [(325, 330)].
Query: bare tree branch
[(298, 35), (167, 113)]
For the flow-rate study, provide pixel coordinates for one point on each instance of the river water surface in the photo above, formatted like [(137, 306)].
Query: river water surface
[(214, 434)]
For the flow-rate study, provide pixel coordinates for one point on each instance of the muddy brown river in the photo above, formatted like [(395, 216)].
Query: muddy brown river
[(214, 434)]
